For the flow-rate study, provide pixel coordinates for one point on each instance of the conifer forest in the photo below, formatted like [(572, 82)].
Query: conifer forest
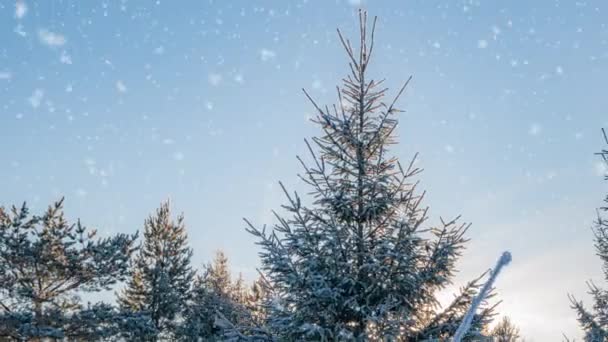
[(307, 170)]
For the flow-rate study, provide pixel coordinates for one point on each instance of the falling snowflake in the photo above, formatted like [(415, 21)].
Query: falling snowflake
[(601, 169), (51, 39), (267, 55), (179, 156), (20, 9), (36, 98), (215, 79), (120, 86), (534, 129), (65, 58), (81, 192), (159, 50)]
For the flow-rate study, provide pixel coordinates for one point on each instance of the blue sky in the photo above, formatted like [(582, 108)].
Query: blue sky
[(118, 105)]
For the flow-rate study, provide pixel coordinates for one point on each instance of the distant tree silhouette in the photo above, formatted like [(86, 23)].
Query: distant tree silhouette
[(505, 331)]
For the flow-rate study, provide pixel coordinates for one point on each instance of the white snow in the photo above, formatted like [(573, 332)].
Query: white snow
[(121, 87), (51, 39), (19, 30), (20, 9), (81, 192), (65, 58), (36, 98), (267, 55), (179, 156), (215, 79), (159, 50), (535, 129), (601, 169)]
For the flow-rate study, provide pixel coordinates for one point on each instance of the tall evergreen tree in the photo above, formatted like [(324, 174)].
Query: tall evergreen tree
[(45, 264), (161, 275), (358, 262), (595, 322)]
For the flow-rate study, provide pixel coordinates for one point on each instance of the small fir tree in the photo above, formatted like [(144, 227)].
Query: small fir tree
[(161, 275), (217, 276), (505, 331)]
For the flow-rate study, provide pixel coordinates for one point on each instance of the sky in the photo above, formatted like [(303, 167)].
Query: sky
[(119, 105)]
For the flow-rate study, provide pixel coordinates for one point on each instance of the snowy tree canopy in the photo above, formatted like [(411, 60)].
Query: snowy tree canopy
[(45, 264)]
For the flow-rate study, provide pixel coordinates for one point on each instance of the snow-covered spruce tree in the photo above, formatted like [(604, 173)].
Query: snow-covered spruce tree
[(595, 322), (45, 264), (359, 262), (161, 275)]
